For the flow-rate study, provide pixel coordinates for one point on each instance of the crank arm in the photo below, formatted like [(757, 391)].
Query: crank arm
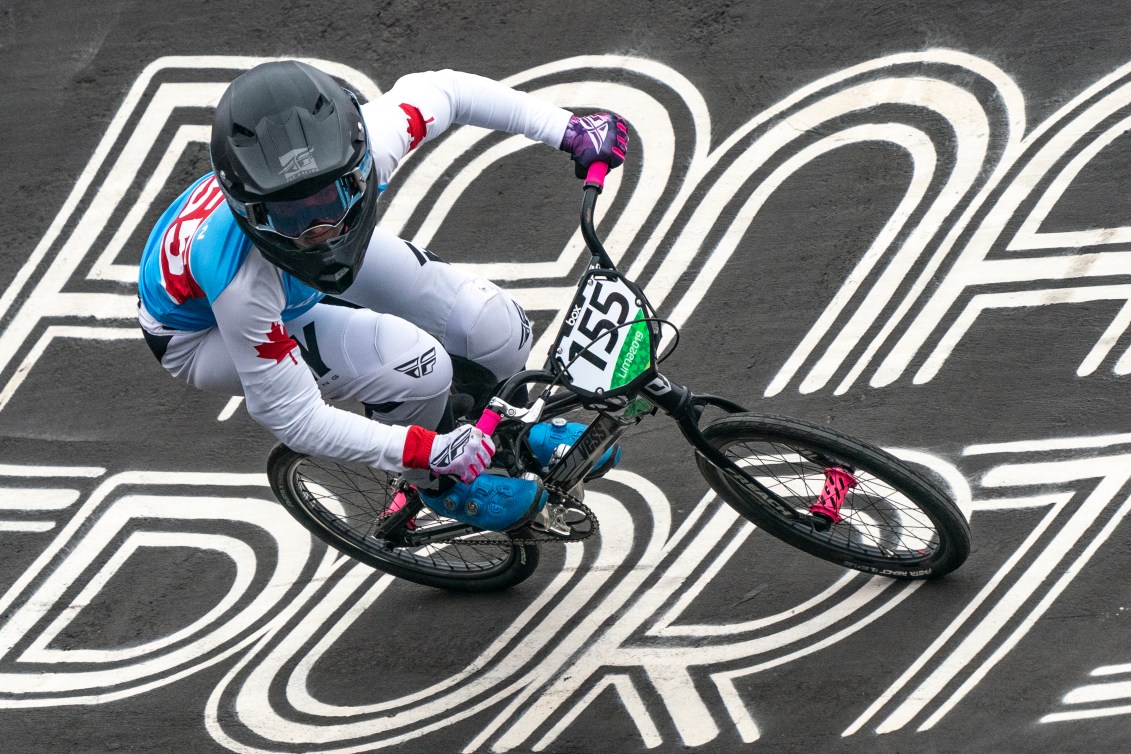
[(442, 533)]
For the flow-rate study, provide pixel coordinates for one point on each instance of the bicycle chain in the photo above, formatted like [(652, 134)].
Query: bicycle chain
[(573, 503)]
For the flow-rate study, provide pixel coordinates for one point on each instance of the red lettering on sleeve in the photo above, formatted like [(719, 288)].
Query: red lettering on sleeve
[(176, 277)]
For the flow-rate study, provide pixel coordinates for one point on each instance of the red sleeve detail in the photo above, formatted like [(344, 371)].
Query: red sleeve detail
[(417, 126), (417, 448)]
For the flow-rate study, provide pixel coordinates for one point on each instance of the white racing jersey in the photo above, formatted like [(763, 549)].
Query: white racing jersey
[(199, 271)]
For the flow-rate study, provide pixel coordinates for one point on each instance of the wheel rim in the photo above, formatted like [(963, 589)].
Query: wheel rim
[(879, 521), (346, 500)]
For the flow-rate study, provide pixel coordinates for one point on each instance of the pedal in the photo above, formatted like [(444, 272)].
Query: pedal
[(400, 500), (569, 521), (552, 520), (399, 517)]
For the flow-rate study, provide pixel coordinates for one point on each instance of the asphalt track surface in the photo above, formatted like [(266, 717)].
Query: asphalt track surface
[(156, 600)]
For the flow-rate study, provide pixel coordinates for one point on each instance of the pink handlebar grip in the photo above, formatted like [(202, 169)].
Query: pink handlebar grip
[(488, 421), (596, 174)]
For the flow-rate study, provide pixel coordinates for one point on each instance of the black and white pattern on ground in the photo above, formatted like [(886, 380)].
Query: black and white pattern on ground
[(907, 221)]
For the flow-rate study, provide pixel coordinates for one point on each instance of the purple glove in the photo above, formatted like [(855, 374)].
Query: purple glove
[(602, 137)]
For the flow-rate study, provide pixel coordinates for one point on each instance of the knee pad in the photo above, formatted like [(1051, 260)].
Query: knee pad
[(409, 377), (499, 336)]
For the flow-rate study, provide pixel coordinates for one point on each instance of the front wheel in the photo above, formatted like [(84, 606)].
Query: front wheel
[(343, 503), (892, 521)]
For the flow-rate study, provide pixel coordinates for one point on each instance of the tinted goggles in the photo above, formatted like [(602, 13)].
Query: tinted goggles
[(327, 208)]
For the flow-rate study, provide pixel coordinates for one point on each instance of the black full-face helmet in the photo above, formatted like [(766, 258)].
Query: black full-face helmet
[(290, 150)]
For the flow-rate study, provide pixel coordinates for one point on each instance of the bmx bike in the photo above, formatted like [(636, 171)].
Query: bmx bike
[(828, 494)]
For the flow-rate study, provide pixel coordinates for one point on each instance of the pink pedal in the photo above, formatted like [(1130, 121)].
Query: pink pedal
[(400, 501), (837, 484)]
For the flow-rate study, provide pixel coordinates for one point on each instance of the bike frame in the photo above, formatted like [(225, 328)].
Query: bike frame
[(614, 419)]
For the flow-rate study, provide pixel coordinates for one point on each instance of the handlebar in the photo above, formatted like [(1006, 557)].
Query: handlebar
[(594, 182)]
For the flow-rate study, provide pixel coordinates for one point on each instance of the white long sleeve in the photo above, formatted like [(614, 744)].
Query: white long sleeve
[(421, 106), (280, 390)]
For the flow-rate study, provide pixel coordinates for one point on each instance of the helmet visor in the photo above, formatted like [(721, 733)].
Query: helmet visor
[(308, 218)]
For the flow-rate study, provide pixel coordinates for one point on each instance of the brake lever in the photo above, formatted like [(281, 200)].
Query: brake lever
[(498, 409)]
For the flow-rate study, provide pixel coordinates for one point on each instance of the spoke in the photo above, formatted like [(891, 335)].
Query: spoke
[(878, 519), (351, 500)]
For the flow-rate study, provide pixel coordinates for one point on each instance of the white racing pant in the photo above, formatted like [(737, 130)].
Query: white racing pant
[(393, 353)]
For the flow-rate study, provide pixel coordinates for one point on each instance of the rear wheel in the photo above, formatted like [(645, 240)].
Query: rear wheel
[(345, 504), (893, 521)]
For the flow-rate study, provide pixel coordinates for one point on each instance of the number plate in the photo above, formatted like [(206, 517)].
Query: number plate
[(603, 348)]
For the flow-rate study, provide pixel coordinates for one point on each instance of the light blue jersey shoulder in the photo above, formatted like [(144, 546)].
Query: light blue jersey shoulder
[(191, 256)]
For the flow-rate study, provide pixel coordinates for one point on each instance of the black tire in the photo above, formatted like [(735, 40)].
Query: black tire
[(896, 522), (338, 503)]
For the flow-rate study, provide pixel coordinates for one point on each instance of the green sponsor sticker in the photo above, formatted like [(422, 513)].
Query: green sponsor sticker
[(635, 355), (636, 408)]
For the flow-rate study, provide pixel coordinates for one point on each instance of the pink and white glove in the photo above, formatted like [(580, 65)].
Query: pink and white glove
[(464, 452), (602, 137)]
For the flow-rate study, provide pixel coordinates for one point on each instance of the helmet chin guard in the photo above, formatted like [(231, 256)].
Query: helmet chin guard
[(291, 153), (329, 267)]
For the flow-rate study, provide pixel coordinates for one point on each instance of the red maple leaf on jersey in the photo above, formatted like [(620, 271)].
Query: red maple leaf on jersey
[(279, 345), (417, 126)]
